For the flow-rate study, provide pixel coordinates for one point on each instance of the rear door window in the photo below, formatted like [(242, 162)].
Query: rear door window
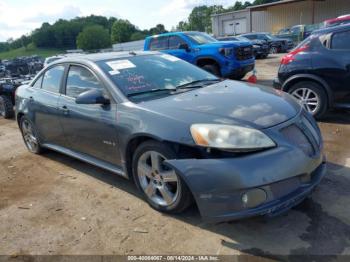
[(159, 43), (52, 79), (341, 41)]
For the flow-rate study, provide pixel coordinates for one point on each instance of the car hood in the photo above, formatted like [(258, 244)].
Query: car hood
[(219, 44), (228, 102)]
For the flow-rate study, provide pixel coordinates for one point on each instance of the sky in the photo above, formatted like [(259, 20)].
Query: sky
[(18, 17)]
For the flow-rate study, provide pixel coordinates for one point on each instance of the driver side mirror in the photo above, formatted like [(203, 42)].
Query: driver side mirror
[(184, 46), (92, 97)]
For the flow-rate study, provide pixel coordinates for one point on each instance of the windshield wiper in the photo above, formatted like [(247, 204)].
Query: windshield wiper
[(198, 83), (152, 91)]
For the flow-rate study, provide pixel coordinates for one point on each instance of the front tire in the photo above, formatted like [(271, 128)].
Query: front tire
[(214, 69), (312, 97), (163, 189), (30, 136), (6, 107)]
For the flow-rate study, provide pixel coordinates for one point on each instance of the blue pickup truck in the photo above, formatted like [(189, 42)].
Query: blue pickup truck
[(222, 58)]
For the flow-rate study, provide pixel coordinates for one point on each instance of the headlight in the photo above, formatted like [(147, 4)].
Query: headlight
[(228, 52), (233, 138), (256, 46)]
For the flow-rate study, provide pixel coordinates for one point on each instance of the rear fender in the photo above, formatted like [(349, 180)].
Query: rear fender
[(300, 77)]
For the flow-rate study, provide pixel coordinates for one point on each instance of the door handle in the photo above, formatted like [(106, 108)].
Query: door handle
[(65, 110)]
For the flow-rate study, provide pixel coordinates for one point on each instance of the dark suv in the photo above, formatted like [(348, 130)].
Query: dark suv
[(277, 45), (317, 71)]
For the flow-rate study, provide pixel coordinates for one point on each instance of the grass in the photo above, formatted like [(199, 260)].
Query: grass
[(29, 52)]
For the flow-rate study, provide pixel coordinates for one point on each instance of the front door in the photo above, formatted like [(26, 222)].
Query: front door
[(90, 129), (174, 49)]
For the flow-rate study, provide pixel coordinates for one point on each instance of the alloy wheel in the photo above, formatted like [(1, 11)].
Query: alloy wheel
[(159, 182), (273, 50), (308, 99), (29, 136)]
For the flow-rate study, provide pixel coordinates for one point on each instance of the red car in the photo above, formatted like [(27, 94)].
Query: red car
[(344, 19)]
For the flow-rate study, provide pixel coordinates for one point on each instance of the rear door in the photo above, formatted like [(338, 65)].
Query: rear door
[(44, 105), (340, 47), (90, 129)]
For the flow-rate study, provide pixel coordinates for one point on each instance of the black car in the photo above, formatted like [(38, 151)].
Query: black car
[(8, 88), (277, 45), (260, 47), (317, 71)]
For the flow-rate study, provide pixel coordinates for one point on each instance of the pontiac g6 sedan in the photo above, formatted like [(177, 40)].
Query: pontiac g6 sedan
[(181, 134)]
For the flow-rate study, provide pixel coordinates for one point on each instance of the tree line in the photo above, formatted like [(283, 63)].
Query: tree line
[(88, 33), (96, 32)]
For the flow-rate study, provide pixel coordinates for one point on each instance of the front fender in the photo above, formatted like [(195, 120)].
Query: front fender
[(217, 184)]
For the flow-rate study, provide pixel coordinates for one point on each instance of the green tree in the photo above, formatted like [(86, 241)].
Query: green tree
[(93, 37), (158, 29), (122, 31), (200, 18), (137, 36)]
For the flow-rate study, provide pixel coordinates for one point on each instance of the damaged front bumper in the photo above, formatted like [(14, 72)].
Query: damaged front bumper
[(261, 183), (284, 176)]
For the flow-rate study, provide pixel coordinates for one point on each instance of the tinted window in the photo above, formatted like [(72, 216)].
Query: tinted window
[(175, 42), (148, 72), (80, 80), (52, 79), (295, 30), (38, 82), (251, 37), (159, 43), (341, 41)]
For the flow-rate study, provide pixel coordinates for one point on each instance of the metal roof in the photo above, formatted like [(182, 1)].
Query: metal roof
[(282, 2)]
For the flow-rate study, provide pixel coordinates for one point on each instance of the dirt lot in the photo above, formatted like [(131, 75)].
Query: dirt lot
[(53, 204)]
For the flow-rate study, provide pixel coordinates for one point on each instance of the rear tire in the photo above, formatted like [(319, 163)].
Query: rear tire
[(6, 107), (162, 188), (214, 69), (312, 97), (29, 135)]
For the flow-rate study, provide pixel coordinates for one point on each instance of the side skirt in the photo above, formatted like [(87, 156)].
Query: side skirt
[(87, 159)]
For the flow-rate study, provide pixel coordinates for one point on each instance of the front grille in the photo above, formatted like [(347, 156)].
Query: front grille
[(244, 52), (297, 137)]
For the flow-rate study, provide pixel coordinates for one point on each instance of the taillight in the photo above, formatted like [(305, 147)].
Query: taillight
[(291, 56)]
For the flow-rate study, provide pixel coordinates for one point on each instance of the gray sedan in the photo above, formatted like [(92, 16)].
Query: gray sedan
[(181, 134)]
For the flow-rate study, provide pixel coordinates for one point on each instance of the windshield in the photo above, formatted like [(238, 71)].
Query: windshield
[(200, 38), (144, 74), (242, 38)]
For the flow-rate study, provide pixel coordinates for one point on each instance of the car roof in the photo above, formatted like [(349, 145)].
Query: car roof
[(340, 18), (331, 29), (256, 33), (174, 33), (104, 56)]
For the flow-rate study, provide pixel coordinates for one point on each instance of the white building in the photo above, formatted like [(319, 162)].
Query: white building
[(275, 16)]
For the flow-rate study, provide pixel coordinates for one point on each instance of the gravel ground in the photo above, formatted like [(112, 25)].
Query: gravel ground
[(53, 204)]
